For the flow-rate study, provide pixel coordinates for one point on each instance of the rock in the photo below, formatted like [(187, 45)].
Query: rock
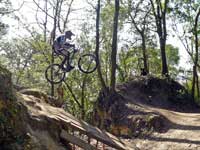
[(43, 97), (19, 129), (41, 132), (36, 93), (156, 122), (8, 111), (6, 88)]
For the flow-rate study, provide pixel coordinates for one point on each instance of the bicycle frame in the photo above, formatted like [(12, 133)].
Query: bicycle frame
[(68, 61)]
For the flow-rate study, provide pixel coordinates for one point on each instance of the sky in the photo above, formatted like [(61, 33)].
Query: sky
[(28, 8)]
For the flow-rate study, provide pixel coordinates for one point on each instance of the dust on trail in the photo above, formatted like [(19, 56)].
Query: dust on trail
[(183, 133)]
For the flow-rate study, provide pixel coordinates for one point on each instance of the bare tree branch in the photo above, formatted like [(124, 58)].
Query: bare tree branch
[(38, 5), (67, 16)]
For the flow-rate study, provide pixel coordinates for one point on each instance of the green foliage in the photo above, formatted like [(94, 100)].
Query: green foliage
[(188, 86), (172, 59), (26, 59), (5, 7), (107, 22), (184, 10), (154, 61), (128, 63)]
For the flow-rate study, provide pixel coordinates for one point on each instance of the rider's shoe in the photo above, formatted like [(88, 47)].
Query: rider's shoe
[(69, 68), (75, 50)]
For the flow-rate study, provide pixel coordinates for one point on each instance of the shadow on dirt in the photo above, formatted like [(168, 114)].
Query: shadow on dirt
[(161, 139)]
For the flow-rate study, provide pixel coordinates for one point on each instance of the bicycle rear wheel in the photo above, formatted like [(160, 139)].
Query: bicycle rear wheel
[(87, 63), (57, 74)]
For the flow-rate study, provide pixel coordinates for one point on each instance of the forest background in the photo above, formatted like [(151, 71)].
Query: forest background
[(161, 36)]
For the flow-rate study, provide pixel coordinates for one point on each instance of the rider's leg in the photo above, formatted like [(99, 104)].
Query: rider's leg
[(66, 61), (69, 66)]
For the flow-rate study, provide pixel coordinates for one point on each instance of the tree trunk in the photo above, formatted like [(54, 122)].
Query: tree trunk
[(103, 84), (114, 47), (141, 28), (193, 83), (160, 17), (52, 85), (197, 84), (163, 56), (83, 86), (146, 69), (53, 36), (195, 75)]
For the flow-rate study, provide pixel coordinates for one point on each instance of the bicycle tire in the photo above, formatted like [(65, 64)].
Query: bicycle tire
[(58, 76), (87, 63)]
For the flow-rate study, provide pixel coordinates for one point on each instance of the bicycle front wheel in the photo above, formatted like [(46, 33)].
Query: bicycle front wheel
[(87, 63), (54, 74)]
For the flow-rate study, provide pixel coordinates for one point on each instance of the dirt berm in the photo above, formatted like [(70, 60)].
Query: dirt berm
[(151, 113)]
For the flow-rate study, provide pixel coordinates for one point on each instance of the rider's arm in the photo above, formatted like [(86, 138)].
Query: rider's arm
[(70, 45)]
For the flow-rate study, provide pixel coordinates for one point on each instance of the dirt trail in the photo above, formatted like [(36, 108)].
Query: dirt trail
[(183, 133)]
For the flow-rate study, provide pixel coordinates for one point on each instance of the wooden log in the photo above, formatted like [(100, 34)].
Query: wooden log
[(75, 140)]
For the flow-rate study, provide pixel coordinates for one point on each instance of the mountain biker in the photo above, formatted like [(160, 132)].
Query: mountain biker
[(61, 47)]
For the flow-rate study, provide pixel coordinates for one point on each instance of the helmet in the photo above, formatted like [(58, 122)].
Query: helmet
[(69, 33)]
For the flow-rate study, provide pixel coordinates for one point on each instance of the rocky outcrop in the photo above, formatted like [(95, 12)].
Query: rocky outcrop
[(43, 97), (46, 124), (42, 131), (19, 129), (8, 111), (6, 88)]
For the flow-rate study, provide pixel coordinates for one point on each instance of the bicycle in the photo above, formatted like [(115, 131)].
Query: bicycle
[(55, 73)]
